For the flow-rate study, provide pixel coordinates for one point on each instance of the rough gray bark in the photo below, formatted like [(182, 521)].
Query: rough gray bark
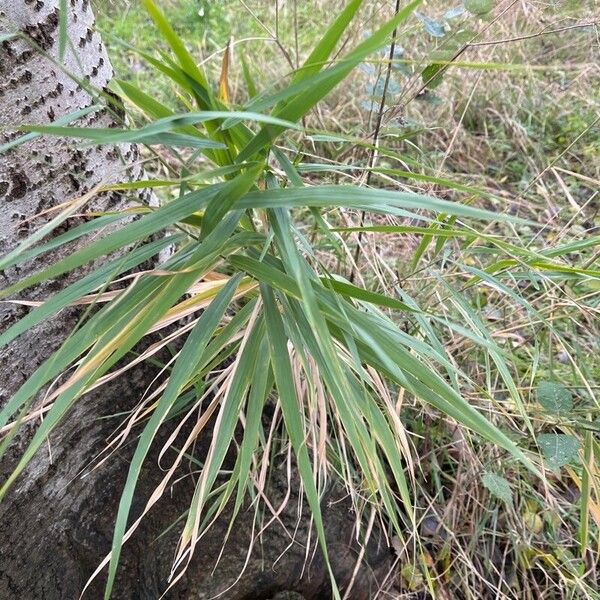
[(55, 526)]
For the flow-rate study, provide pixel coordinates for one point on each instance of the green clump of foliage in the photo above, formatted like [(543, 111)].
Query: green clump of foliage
[(247, 202)]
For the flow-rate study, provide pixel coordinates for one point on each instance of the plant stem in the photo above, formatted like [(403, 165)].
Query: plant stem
[(373, 157)]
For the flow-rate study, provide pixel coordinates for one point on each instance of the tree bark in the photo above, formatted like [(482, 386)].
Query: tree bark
[(55, 525)]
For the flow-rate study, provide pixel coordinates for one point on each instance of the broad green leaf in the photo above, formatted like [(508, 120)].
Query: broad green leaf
[(443, 233), (376, 200), (160, 132), (63, 32), (554, 397), (16, 255), (440, 181), (577, 246), (498, 486), (347, 289), (559, 449)]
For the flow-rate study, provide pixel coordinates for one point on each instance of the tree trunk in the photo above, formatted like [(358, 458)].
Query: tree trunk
[(55, 525)]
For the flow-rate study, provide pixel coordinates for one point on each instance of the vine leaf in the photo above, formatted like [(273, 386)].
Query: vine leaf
[(559, 449), (554, 397), (497, 486)]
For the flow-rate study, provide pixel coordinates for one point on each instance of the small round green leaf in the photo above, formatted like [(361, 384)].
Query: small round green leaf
[(559, 449), (554, 397), (497, 486)]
